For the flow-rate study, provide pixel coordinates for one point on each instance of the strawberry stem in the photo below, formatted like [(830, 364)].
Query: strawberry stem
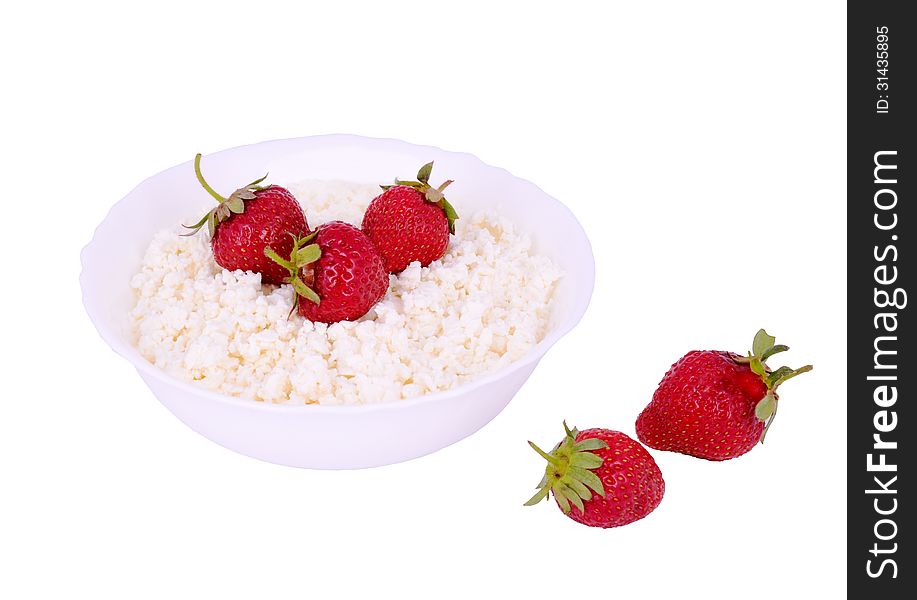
[(301, 257), (203, 182), (763, 347), (551, 459), (569, 474), (269, 252)]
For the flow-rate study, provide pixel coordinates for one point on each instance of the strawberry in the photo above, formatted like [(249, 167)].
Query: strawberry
[(410, 221), (336, 269), (609, 479), (715, 405), (251, 219)]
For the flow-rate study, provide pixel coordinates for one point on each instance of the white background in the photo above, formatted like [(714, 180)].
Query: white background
[(702, 147)]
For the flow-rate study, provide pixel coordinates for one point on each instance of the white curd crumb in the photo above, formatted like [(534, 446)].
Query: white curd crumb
[(479, 308)]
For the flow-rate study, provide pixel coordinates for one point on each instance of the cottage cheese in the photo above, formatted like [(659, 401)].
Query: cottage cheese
[(479, 308)]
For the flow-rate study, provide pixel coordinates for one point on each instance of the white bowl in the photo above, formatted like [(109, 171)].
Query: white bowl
[(332, 437)]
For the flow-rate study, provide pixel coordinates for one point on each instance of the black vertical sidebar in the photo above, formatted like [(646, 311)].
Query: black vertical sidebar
[(881, 230)]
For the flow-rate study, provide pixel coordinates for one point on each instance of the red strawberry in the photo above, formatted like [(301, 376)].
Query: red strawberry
[(715, 405), (339, 274), (251, 219), (410, 221), (609, 479)]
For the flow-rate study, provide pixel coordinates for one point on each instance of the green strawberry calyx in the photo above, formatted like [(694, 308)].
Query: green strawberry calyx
[(301, 266), (763, 347), (569, 473), (226, 207), (434, 195)]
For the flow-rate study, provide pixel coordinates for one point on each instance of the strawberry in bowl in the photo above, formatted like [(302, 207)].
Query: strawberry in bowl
[(410, 221), (336, 273), (252, 218)]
